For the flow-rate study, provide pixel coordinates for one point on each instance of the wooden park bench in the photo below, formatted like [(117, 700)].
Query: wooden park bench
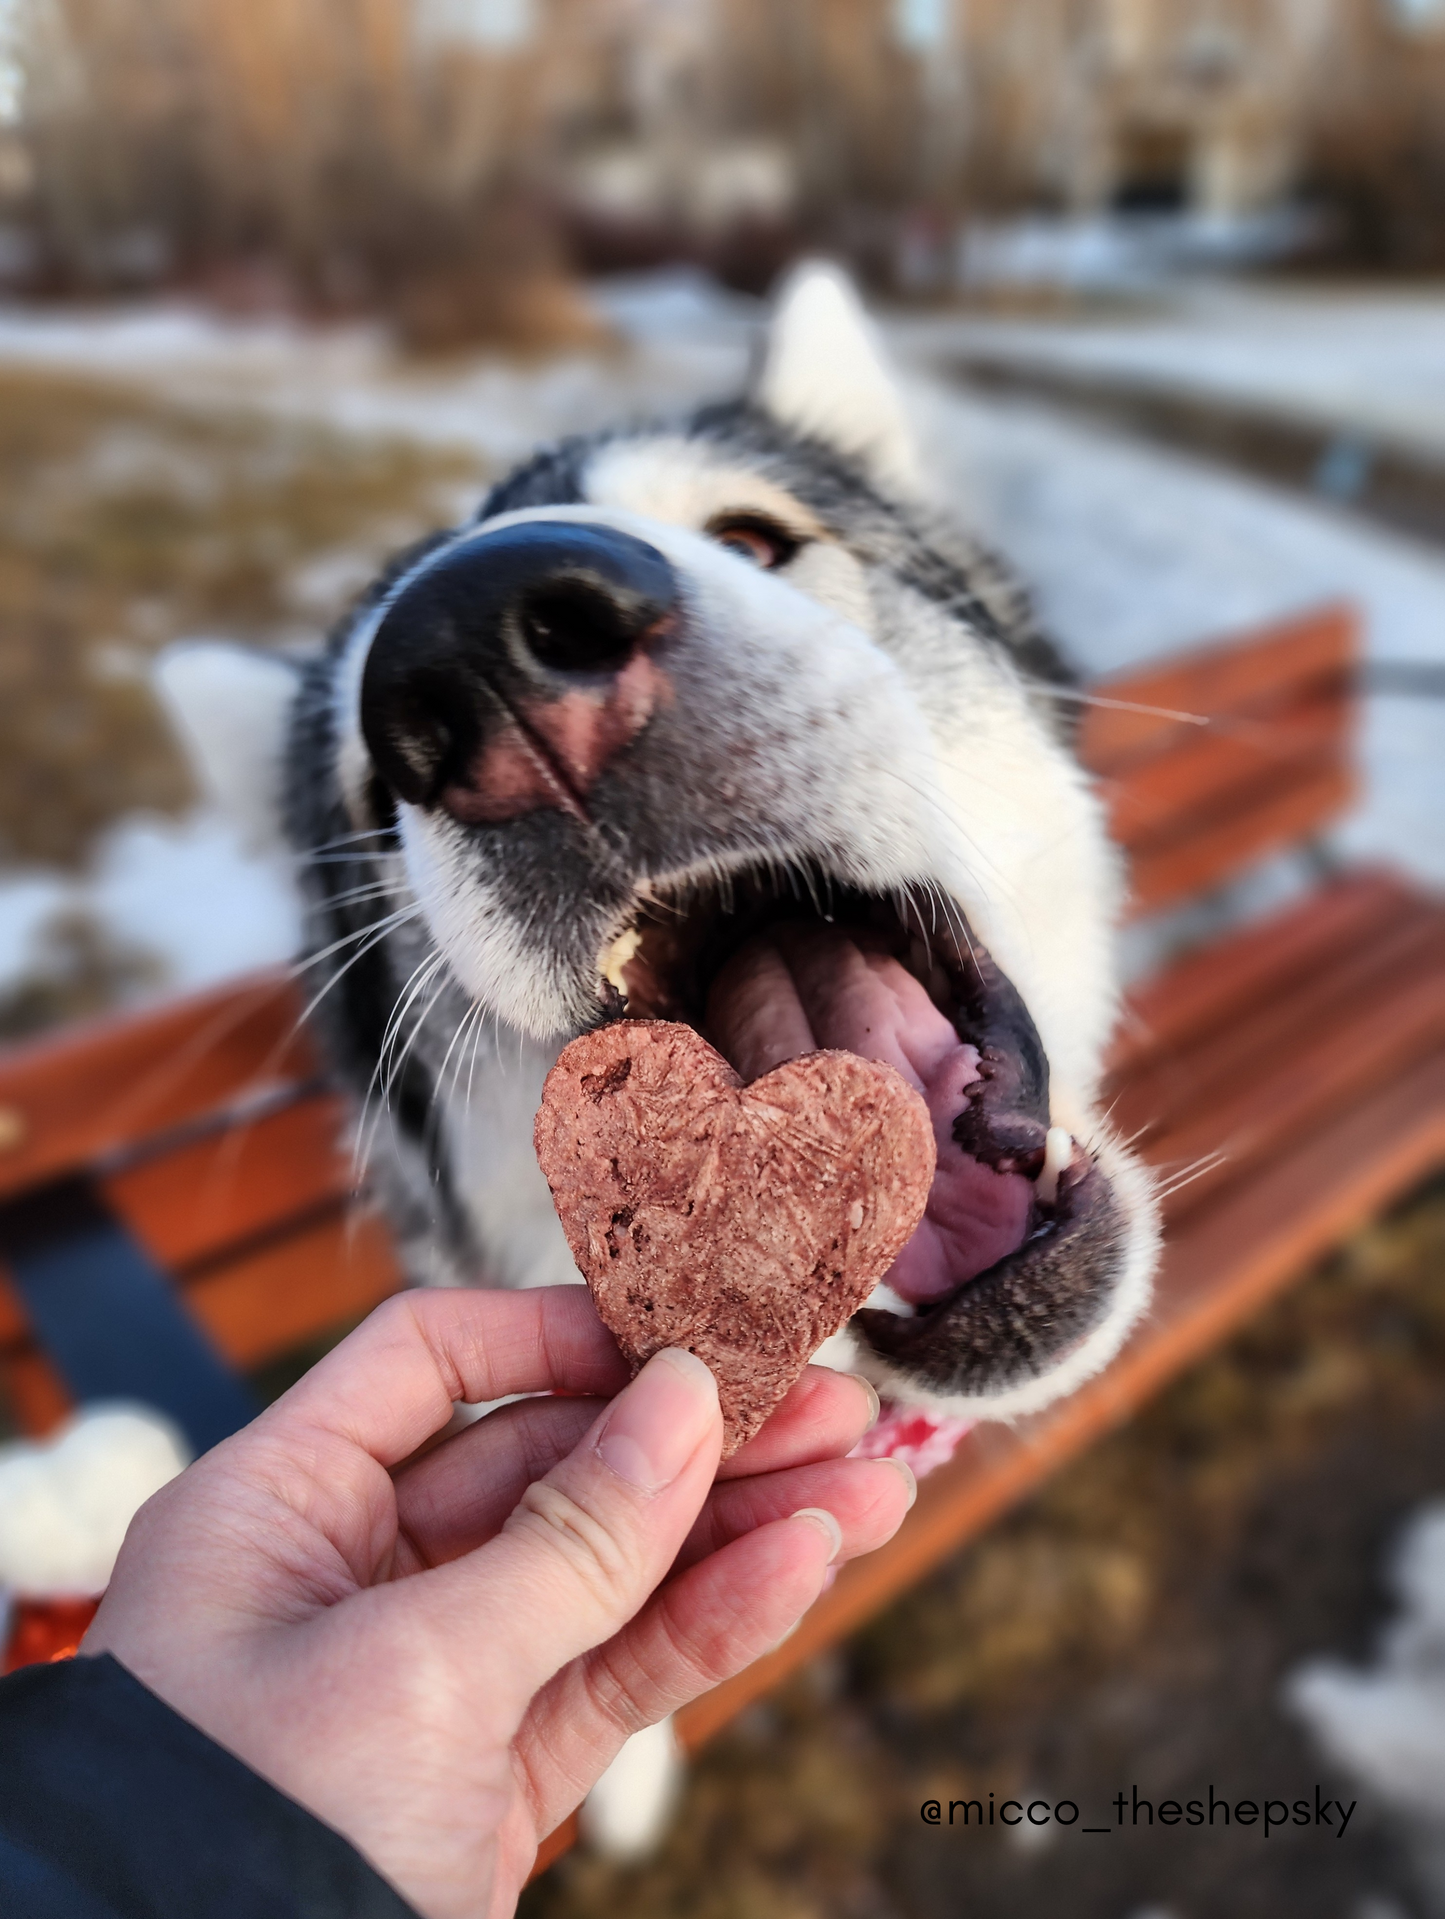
[(1290, 1074)]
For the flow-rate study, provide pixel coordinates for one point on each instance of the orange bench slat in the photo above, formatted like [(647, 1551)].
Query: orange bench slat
[(1194, 804), (256, 1307), (1219, 771), (1298, 1100), (1301, 1012), (212, 1194), (1215, 849), (1199, 992), (1317, 650), (68, 1102), (37, 1399), (274, 1298), (211, 1197)]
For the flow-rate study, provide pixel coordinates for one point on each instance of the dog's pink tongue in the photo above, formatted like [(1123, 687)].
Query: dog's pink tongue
[(802, 987)]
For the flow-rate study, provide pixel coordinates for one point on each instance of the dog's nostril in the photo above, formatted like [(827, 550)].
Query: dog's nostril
[(415, 749), (571, 626)]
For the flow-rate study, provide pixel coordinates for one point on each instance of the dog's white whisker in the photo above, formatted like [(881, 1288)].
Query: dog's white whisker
[(368, 890), (477, 1036), (345, 839), (1076, 696), (1197, 1169), (378, 934), (416, 980), (434, 1114), (433, 1118), (420, 977), (382, 926)]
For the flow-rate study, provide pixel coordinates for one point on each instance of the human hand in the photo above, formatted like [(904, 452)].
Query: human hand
[(439, 1652)]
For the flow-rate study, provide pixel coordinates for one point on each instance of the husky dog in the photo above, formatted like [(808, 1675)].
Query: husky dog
[(716, 721)]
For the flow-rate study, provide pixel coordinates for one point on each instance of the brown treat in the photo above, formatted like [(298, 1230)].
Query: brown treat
[(746, 1223)]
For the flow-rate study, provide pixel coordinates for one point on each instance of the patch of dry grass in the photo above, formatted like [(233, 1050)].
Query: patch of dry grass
[(131, 522)]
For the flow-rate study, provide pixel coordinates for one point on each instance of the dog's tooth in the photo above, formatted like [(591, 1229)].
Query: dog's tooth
[(613, 960), (883, 1299), (1058, 1151)]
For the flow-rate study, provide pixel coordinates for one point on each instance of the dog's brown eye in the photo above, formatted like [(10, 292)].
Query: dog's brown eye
[(758, 540)]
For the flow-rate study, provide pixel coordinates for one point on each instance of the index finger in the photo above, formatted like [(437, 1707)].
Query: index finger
[(390, 1385)]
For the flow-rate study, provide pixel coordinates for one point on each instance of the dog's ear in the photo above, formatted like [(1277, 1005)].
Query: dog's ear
[(824, 374), (230, 707)]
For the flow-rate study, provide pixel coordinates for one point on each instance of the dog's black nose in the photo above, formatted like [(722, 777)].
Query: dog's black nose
[(506, 674)]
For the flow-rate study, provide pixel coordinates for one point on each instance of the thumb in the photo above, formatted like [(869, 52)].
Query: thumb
[(586, 1546)]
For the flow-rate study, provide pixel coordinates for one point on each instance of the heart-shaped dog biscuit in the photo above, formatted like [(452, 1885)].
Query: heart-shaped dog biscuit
[(746, 1223)]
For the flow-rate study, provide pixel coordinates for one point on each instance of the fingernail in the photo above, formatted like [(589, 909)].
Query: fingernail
[(909, 1478), (657, 1423), (820, 1517), (875, 1404), (783, 1638)]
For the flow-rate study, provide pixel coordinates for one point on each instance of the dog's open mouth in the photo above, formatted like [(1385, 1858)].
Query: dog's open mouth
[(767, 970)]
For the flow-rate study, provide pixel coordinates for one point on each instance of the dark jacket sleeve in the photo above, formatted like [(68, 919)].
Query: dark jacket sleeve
[(114, 1807)]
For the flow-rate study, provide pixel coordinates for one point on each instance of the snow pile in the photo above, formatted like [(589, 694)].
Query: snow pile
[(185, 894), (1113, 253), (1385, 1725), (626, 1813), (189, 891), (65, 1503), (159, 339), (29, 905)]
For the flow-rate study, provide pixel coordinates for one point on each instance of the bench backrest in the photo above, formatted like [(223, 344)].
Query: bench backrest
[(207, 1128), (1270, 768)]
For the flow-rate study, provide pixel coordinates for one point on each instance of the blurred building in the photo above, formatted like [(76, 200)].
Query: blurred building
[(1212, 105)]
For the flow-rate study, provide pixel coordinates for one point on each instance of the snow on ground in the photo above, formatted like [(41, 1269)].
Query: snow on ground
[(1358, 363), (151, 873), (679, 339), (29, 902), (1384, 1725), (185, 893), (1131, 550)]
